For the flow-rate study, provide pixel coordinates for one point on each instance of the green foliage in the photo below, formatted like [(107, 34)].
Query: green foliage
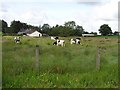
[(72, 66), (46, 28), (105, 30), (70, 24), (69, 29), (116, 33), (4, 25), (9, 30), (16, 26)]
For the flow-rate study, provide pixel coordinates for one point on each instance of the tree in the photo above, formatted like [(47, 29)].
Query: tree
[(46, 28), (95, 33), (61, 31), (69, 29), (116, 33), (39, 28), (78, 30), (8, 30), (4, 25), (105, 30), (16, 26), (70, 24), (24, 25)]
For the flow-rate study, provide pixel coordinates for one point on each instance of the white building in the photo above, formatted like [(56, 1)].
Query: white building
[(88, 35), (35, 34)]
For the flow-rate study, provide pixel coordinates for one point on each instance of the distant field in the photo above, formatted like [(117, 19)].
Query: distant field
[(108, 36), (72, 66)]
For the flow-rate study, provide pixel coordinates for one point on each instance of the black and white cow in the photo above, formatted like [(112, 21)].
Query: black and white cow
[(54, 38), (17, 39), (59, 43), (75, 41), (55, 43)]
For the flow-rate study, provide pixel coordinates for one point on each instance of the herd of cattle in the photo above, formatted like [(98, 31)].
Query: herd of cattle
[(57, 41), (62, 42)]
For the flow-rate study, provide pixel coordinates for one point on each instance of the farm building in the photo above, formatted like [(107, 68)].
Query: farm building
[(35, 34), (88, 35), (45, 35), (24, 31), (29, 32)]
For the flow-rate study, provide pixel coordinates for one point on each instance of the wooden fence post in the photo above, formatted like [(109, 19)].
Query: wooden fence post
[(37, 58), (98, 59)]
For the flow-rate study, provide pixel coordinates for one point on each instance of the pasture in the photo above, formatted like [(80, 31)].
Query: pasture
[(72, 66)]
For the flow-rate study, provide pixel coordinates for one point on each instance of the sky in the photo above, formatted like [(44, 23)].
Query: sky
[(90, 14)]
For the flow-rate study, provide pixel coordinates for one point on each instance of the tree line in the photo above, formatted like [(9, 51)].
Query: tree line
[(68, 29)]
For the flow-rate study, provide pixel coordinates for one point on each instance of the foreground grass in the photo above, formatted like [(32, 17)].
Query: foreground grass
[(60, 67)]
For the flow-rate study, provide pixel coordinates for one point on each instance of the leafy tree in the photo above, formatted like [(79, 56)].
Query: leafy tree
[(9, 31), (16, 26), (65, 31), (105, 30), (78, 30), (46, 28), (4, 25), (39, 28), (116, 33), (69, 29), (55, 31), (70, 24), (95, 33), (24, 25), (61, 31)]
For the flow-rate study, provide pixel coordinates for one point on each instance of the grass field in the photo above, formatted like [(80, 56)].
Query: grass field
[(72, 66)]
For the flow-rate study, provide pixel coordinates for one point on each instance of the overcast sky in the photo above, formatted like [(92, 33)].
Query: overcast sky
[(90, 14)]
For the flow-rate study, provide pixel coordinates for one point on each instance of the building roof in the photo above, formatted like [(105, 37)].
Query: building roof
[(27, 31)]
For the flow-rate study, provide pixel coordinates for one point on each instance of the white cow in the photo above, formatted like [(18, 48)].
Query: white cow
[(61, 43)]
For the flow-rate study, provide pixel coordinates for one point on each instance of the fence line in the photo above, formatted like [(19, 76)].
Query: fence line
[(37, 58)]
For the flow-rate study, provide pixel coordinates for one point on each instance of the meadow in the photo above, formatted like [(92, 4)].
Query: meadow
[(72, 66)]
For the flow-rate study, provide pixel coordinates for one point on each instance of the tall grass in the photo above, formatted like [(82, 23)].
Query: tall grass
[(59, 67)]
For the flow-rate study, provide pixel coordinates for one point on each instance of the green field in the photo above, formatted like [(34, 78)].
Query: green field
[(72, 66)]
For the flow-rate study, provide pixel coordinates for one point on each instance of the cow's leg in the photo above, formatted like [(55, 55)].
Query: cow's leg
[(64, 44), (57, 44)]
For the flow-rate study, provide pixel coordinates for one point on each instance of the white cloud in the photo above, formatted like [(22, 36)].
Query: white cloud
[(33, 17), (90, 17), (107, 14), (107, 11)]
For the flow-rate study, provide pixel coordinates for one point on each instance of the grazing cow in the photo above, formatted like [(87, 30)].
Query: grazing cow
[(17, 39), (60, 43), (78, 41), (78, 38), (55, 43), (75, 41), (54, 38)]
